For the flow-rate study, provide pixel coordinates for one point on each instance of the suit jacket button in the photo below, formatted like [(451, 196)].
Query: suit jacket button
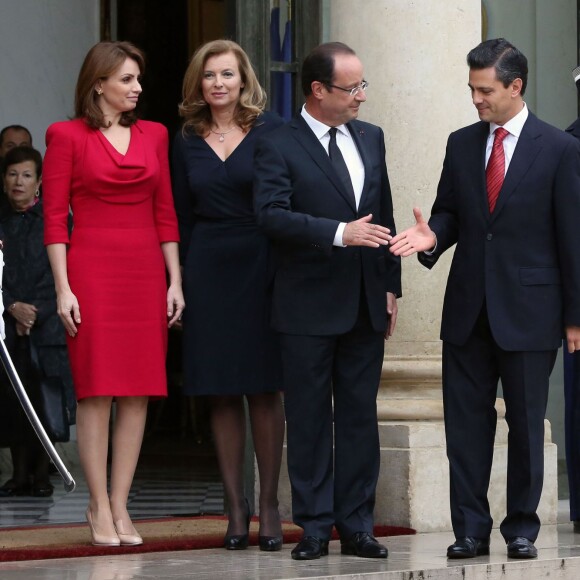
[(489, 237)]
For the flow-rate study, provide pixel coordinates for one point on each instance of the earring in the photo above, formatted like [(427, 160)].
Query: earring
[(37, 194), (99, 91)]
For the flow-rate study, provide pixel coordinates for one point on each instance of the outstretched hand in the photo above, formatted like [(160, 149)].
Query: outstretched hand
[(417, 238)]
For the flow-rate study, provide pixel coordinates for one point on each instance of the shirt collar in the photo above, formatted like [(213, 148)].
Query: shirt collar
[(318, 128), (515, 125)]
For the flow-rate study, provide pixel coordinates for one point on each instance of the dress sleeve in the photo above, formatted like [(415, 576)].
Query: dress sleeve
[(56, 183), (182, 195), (164, 210)]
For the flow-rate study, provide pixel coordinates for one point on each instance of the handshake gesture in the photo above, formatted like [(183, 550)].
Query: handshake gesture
[(417, 238)]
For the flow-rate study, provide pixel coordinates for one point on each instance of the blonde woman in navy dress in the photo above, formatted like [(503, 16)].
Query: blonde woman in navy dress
[(230, 352)]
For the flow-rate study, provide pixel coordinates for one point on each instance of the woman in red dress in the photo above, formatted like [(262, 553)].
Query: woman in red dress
[(112, 295)]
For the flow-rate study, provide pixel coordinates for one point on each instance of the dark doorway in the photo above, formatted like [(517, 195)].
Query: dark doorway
[(169, 32), (162, 34)]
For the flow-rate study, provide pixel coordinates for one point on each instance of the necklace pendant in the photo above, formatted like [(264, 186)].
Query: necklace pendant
[(222, 138)]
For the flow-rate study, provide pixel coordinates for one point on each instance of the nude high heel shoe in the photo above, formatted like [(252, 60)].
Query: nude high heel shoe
[(127, 539), (100, 539)]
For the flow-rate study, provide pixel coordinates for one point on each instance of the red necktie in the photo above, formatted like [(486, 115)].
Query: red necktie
[(495, 171)]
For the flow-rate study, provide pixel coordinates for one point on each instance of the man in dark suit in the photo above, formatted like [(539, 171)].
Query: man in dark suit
[(512, 210), (322, 195), (572, 394), (14, 136)]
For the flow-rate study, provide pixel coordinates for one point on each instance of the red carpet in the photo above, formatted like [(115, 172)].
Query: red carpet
[(161, 535)]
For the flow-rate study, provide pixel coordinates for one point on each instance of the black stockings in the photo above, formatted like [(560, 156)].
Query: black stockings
[(229, 431)]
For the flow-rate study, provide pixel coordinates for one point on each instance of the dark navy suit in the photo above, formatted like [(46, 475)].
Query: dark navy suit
[(572, 407), (329, 304), (513, 286)]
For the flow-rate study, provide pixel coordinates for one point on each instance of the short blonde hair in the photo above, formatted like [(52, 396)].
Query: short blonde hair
[(196, 111)]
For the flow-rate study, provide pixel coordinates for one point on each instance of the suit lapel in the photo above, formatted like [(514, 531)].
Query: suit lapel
[(358, 136), (475, 157), (308, 140), (525, 153)]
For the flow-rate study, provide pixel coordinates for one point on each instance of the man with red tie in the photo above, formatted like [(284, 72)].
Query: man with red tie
[(509, 201)]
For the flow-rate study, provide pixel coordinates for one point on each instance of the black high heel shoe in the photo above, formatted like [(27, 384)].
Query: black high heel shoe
[(239, 541), (270, 543)]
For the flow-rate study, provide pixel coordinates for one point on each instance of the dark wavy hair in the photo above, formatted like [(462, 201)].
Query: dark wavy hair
[(20, 155), (509, 63), (101, 62)]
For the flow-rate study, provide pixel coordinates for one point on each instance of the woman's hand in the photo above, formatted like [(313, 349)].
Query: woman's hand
[(175, 303), (22, 330), (24, 313), (67, 307)]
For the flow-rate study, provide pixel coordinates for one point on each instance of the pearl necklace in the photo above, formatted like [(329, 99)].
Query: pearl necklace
[(222, 134)]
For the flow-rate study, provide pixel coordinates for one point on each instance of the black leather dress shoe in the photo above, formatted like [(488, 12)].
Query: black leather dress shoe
[(270, 543), (468, 547), (42, 489), (310, 548), (363, 545), (14, 488), (521, 548)]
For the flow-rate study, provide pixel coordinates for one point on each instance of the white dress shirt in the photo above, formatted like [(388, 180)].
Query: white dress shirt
[(351, 156), (514, 128)]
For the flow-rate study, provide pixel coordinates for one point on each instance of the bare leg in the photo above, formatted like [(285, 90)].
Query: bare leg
[(93, 415), (267, 418), (228, 423), (128, 430)]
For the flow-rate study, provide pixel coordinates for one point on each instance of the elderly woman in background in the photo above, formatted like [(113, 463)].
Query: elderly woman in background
[(229, 350), (10, 137), (30, 316), (111, 285)]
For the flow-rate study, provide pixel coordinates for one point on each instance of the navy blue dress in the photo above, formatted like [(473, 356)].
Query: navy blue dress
[(229, 348)]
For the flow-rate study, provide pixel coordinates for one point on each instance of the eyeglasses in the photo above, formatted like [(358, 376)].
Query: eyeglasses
[(354, 91)]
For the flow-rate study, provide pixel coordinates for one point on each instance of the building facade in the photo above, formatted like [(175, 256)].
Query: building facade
[(414, 57)]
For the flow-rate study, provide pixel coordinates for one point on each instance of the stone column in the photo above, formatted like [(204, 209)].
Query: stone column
[(414, 57)]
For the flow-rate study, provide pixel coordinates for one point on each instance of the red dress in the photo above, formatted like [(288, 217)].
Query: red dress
[(122, 210)]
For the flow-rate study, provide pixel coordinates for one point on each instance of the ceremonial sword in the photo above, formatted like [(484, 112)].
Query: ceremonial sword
[(69, 482)]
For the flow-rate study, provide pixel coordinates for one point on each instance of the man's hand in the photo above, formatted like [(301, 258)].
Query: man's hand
[(392, 311), (573, 338), (417, 238), (362, 233), (24, 313)]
